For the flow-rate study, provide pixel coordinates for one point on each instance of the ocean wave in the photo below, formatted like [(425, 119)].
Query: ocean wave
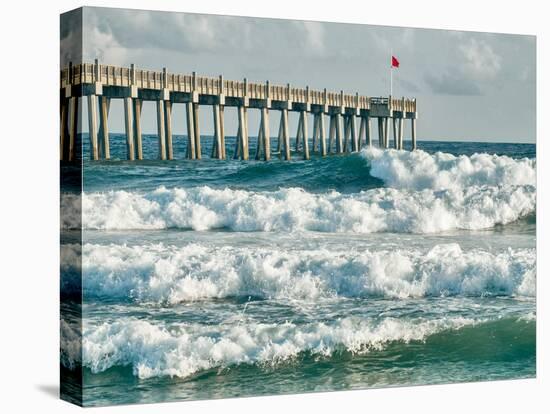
[(419, 170), (290, 209), (181, 350), (167, 275)]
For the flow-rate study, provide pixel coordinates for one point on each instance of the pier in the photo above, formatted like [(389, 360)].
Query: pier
[(99, 84)]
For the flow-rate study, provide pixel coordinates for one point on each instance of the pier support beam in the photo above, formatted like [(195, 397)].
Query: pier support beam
[(104, 105), (168, 129), (361, 132), (285, 134), (331, 132), (265, 132), (401, 128), (380, 132), (196, 122), (280, 136), (129, 128), (73, 125), (222, 132), (217, 148), (137, 129), (92, 126), (263, 142), (339, 146), (160, 129), (314, 139), (413, 133), (395, 133), (259, 139), (353, 132), (321, 131), (346, 132), (190, 131), (241, 147), (319, 140), (299, 130), (63, 129), (386, 132), (303, 122), (368, 135)]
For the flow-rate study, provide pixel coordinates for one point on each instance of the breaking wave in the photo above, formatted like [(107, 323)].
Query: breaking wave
[(419, 170), (169, 274), (379, 210), (182, 350), (424, 193)]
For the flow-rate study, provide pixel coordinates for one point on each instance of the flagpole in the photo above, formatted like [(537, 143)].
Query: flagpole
[(391, 72)]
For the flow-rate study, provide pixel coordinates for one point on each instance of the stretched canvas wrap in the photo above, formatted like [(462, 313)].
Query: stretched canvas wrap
[(263, 206)]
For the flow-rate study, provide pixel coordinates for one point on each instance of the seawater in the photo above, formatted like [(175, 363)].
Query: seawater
[(214, 279)]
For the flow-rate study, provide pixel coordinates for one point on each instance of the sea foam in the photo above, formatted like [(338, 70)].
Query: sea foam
[(419, 170), (168, 275), (180, 350), (423, 193), (378, 210)]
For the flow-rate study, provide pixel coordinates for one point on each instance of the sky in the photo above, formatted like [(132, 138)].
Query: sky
[(469, 86)]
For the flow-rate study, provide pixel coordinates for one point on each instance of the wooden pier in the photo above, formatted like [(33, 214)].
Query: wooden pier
[(100, 83)]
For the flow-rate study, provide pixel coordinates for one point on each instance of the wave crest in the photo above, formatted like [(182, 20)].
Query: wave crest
[(180, 351), (171, 275), (419, 170), (379, 210)]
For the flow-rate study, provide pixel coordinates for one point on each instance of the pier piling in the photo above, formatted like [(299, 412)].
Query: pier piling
[(92, 126), (63, 129), (322, 138), (304, 134), (353, 132), (339, 147), (168, 129), (160, 129), (386, 132), (129, 128), (190, 131), (395, 134), (73, 121), (104, 104), (286, 135), (196, 123), (413, 133), (137, 129), (401, 127)]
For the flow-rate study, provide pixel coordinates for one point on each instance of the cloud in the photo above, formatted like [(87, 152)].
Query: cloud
[(471, 67), (480, 60), (451, 82), (71, 37), (314, 34)]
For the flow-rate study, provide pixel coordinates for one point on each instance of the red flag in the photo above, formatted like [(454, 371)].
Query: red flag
[(394, 62)]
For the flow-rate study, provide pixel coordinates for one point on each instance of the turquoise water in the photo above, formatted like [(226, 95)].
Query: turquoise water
[(218, 279)]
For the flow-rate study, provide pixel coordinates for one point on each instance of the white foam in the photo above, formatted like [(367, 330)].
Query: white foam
[(419, 170), (70, 343), (424, 193), (378, 210), (183, 349), (170, 274)]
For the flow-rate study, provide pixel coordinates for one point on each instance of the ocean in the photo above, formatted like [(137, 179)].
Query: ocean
[(216, 279)]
